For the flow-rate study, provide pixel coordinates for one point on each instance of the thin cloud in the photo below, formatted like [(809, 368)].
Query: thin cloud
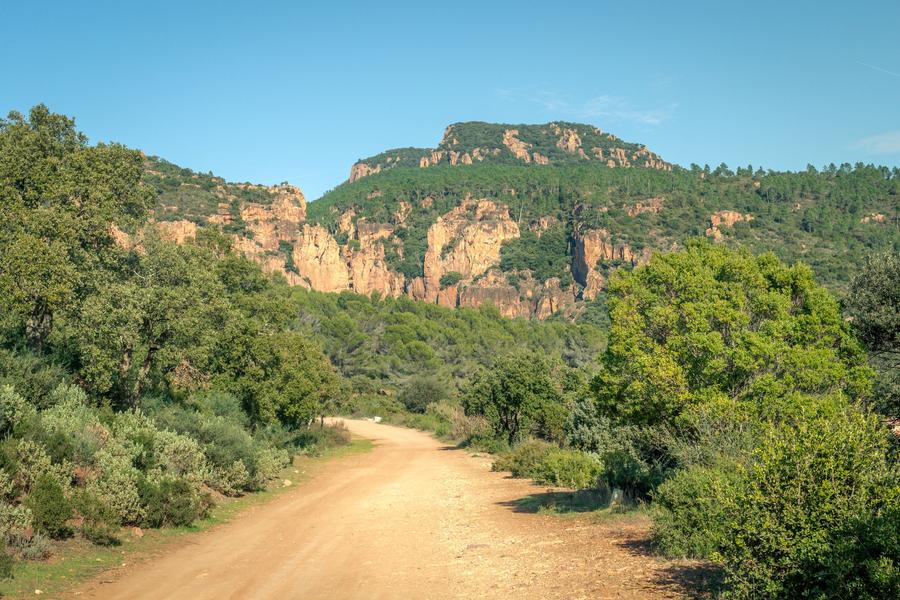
[(610, 107), (600, 107), (874, 68), (883, 143)]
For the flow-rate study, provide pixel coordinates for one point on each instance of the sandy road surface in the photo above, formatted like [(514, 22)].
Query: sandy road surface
[(411, 519)]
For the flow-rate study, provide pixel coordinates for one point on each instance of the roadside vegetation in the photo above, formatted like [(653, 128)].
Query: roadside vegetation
[(736, 405), (139, 383)]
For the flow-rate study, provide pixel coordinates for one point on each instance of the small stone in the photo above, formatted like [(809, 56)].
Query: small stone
[(286, 483)]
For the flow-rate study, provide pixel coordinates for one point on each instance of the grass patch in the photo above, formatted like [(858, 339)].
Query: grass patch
[(77, 560)]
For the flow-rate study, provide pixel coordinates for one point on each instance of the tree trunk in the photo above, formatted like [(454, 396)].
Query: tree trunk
[(141, 376)]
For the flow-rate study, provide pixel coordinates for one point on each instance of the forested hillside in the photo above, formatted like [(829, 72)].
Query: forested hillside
[(530, 218)]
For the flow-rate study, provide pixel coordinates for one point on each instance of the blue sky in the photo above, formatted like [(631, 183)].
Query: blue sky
[(274, 91)]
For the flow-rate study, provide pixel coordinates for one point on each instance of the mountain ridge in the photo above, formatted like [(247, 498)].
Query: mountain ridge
[(534, 238), (556, 142)]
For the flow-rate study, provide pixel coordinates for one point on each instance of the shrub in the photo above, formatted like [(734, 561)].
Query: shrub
[(100, 523), (72, 430), (268, 463), (569, 468), (691, 511), (6, 562), (420, 392), (180, 456), (31, 460), (14, 518), (231, 480), (115, 484), (49, 507), (524, 460), (13, 408), (37, 546), (220, 404), (810, 511), (314, 439), (450, 278), (169, 502)]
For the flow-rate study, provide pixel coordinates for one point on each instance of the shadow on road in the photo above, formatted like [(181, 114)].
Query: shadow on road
[(690, 578), (560, 502)]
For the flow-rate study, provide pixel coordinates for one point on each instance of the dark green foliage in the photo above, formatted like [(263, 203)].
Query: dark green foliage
[(169, 502), (710, 323), (451, 278), (515, 395), (816, 514), (545, 255), (378, 344), (420, 391), (100, 524), (49, 507), (6, 562), (768, 468), (873, 304)]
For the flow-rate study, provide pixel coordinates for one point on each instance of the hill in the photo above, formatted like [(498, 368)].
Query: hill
[(531, 218), (476, 142)]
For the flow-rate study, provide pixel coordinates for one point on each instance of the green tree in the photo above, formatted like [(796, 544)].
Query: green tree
[(873, 304), (284, 377), (420, 391), (709, 323), (513, 395), (167, 313), (60, 200)]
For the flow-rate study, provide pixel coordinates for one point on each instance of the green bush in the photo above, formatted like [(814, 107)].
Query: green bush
[(420, 392), (691, 511), (569, 468), (100, 523), (49, 507), (115, 483), (451, 278), (524, 460), (169, 502), (817, 514), (6, 562)]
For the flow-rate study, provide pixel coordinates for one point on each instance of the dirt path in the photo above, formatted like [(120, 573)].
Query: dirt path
[(411, 519)]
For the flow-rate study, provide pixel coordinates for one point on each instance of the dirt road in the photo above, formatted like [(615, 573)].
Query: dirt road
[(412, 519)]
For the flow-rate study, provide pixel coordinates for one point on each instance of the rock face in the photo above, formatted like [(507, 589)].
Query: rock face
[(873, 218), (650, 205), (594, 246), (724, 218), (278, 222), (319, 260), (177, 231), (360, 170), (467, 241), (368, 270), (460, 261)]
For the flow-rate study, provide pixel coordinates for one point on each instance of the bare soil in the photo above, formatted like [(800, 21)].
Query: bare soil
[(412, 519)]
